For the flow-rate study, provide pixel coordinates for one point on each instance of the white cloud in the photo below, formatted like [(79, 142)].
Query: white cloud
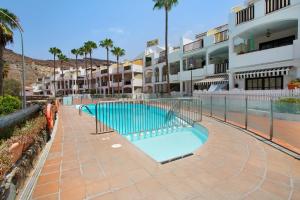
[(116, 30)]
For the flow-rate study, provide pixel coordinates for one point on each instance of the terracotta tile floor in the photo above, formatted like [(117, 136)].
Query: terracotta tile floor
[(231, 165)]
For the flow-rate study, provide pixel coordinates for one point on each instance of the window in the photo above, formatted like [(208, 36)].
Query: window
[(266, 83), (175, 68)]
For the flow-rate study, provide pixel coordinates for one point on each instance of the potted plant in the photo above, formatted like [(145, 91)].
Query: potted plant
[(294, 84)]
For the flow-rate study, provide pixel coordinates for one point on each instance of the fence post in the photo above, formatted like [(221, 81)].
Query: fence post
[(211, 105), (225, 109), (201, 108), (246, 112), (96, 117), (271, 119)]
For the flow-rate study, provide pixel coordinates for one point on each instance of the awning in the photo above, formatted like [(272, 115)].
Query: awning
[(282, 71), (218, 79)]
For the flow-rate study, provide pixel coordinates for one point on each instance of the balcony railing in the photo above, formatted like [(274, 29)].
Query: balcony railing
[(193, 46), (245, 15), (221, 68), (221, 36), (273, 5)]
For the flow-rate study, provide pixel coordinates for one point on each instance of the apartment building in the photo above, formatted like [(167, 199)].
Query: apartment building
[(264, 46), (194, 64), (257, 50), (126, 79)]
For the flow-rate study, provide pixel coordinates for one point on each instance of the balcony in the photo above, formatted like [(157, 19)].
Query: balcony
[(148, 79), (127, 82), (221, 36), (127, 68), (221, 68), (273, 5), (264, 56), (245, 15), (193, 46)]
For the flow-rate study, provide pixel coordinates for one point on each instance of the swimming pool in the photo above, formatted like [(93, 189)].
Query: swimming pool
[(151, 129)]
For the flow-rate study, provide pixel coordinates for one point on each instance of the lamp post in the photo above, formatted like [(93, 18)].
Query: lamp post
[(23, 59), (191, 69)]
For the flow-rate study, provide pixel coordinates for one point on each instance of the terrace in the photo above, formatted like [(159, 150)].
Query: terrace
[(231, 165)]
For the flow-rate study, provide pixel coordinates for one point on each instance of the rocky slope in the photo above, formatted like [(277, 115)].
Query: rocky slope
[(36, 68)]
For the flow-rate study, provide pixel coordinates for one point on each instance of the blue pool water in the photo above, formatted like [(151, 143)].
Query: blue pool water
[(163, 144)]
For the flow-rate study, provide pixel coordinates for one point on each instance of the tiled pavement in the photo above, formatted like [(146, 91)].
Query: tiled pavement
[(231, 165)]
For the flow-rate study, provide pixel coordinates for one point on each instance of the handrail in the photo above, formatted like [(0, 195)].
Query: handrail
[(84, 106)]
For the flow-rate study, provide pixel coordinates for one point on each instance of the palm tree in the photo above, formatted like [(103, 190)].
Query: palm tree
[(6, 36), (167, 5), (118, 52), (90, 46), (107, 44), (62, 58), (54, 51), (76, 52), (83, 50)]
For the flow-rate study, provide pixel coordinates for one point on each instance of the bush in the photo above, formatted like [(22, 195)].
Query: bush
[(26, 135), (12, 87), (287, 105), (9, 104)]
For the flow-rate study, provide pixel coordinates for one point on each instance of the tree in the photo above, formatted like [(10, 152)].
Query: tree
[(76, 52), (167, 5), (54, 51), (118, 52), (107, 44), (83, 50), (90, 46), (6, 36), (62, 58)]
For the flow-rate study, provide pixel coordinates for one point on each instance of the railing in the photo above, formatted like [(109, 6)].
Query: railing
[(221, 36), (193, 46), (273, 5), (245, 15), (274, 118), (221, 68), (145, 116)]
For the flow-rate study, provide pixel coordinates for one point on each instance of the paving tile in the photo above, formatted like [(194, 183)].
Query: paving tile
[(46, 189), (231, 165)]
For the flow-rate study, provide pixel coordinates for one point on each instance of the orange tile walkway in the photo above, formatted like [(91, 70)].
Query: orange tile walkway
[(231, 165)]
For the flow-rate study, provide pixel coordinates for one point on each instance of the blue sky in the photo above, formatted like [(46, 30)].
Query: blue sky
[(66, 24)]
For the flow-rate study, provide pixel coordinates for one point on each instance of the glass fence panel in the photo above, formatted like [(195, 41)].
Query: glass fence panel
[(236, 110), (206, 105), (286, 123), (218, 107), (258, 111)]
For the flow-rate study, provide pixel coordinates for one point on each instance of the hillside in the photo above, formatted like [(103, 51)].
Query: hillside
[(36, 68)]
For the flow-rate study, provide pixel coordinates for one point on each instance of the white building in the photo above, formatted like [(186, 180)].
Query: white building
[(129, 77), (257, 50), (264, 44)]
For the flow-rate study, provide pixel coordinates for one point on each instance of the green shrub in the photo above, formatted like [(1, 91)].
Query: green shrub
[(288, 105), (12, 87), (9, 104)]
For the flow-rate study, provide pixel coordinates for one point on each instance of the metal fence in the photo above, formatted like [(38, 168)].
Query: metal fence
[(275, 118), (137, 116)]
